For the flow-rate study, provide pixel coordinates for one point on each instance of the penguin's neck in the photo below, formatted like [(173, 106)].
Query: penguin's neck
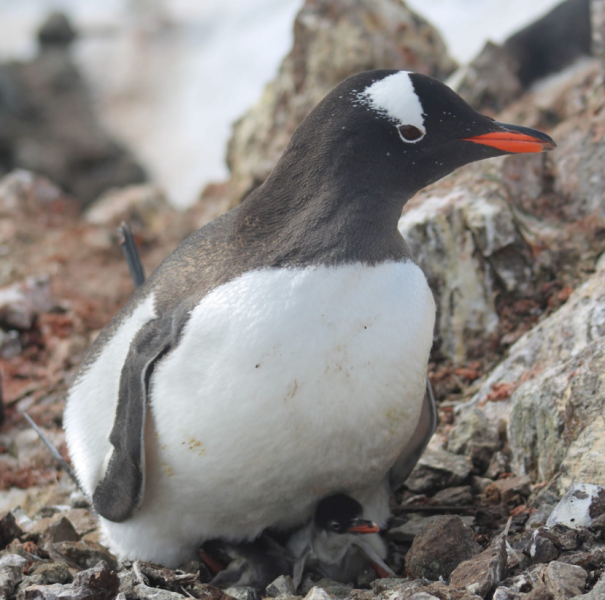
[(325, 207)]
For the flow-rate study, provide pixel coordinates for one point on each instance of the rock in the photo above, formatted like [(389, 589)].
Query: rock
[(144, 207), (10, 344), (443, 592), (49, 125), (61, 531), (11, 573), (499, 464), (454, 496), (474, 436), (542, 549), (9, 530), (509, 491), (22, 302), (490, 81), (479, 484), (45, 574), (402, 586), (540, 593), (282, 585), (414, 525), (331, 42), (579, 507), (438, 469), (597, 592), (242, 593), (480, 574), (503, 593), (539, 517), (556, 420), (56, 31), (334, 588), (440, 547), (316, 593), (145, 592), (564, 581), (597, 17), (84, 554)]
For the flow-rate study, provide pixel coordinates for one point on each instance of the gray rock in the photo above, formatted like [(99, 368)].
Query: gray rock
[(440, 547), (542, 548), (499, 464), (9, 530), (61, 531), (423, 596), (564, 581), (331, 42), (504, 593), (11, 573), (539, 517), (148, 593), (21, 302), (241, 593), (474, 436), (597, 592), (282, 585), (454, 496), (438, 469), (415, 524), (479, 484), (316, 593), (46, 574), (480, 574), (10, 344), (83, 554), (490, 81), (579, 507), (392, 589)]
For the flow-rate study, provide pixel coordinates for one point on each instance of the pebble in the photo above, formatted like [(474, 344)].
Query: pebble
[(438, 469), (564, 581), (11, 573), (282, 585), (440, 547)]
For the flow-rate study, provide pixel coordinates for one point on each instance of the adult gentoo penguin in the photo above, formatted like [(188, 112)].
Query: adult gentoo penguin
[(279, 354)]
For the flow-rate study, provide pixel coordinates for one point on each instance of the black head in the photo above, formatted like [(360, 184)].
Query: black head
[(373, 142), (342, 514)]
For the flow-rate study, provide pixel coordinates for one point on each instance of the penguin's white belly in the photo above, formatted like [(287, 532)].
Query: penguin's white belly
[(286, 385)]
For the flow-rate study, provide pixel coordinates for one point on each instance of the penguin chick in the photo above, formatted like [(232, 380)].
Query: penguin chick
[(331, 545)]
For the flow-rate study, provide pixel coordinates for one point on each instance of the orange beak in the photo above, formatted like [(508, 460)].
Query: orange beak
[(361, 526), (515, 139)]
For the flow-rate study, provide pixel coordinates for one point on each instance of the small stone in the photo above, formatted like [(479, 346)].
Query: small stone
[(510, 491), (539, 517), (438, 469), (84, 554), (481, 573), (479, 484), (503, 593), (474, 436), (61, 531), (440, 547), (9, 530), (11, 573), (423, 596), (581, 504), (415, 524), (335, 588), (564, 581), (454, 496), (242, 593), (282, 585), (401, 585), (46, 574), (144, 592), (317, 593), (542, 548), (540, 593), (499, 464), (597, 592)]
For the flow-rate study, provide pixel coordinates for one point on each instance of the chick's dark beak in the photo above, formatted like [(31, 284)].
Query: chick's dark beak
[(361, 526), (515, 139)]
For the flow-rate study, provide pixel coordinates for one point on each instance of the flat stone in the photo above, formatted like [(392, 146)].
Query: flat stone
[(84, 554), (564, 581), (440, 547), (438, 469), (504, 593), (46, 574), (481, 573), (581, 504), (282, 585), (454, 496), (61, 531), (145, 592), (415, 524), (9, 530)]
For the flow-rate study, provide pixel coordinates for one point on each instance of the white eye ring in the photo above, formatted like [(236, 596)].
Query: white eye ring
[(410, 134)]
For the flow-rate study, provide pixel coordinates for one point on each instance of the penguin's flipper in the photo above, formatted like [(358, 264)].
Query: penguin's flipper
[(417, 445), (122, 488)]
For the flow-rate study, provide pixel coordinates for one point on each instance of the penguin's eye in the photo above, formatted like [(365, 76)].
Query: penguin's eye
[(409, 133), (335, 526)]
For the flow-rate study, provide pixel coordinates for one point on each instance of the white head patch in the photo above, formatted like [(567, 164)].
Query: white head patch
[(395, 98)]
